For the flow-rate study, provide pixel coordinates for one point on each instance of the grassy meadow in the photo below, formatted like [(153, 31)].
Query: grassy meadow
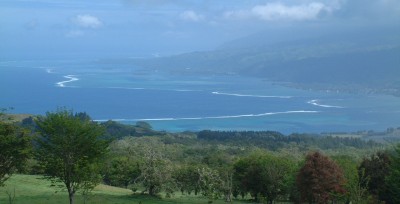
[(33, 189)]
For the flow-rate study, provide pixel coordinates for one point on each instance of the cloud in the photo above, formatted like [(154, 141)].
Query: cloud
[(162, 3), (280, 11), (87, 21), (191, 16), (377, 9), (74, 34), (31, 25)]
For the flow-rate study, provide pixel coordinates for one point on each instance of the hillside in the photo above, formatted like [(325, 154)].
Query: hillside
[(353, 63)]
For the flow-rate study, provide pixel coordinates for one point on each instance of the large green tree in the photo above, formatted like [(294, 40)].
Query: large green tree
[(222, 162), (120, 171), (156, 172), (187, 178), (265, 175), (393, 179), (70, 149), (374, 170), (319, 179), (15, 149), (154, 169), (356, 191), (210, 183)]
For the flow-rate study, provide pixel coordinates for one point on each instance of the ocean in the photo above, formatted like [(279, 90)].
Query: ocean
[(117, 90)]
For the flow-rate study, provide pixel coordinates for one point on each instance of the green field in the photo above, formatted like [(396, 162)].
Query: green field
[(31, 189)]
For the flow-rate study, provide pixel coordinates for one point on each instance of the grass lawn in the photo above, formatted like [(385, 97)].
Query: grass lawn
[(32, 189)]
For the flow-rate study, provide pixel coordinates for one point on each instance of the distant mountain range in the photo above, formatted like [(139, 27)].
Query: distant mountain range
[(366, 60)]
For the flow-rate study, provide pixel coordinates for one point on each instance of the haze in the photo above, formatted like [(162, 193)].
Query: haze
[(44, 29)]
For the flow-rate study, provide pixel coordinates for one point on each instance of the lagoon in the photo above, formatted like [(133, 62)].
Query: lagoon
[(121, 91)]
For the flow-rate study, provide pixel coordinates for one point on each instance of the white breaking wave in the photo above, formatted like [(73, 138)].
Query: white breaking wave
[(247, 95), (71, 79), (129, 88), (315, 102), (154, 89), (213, 117), (50, 71)]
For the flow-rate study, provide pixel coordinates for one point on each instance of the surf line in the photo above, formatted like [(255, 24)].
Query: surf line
[(71, 79), (213, 117), (246, 95), (315, 103), (154, 89), (50, 71)]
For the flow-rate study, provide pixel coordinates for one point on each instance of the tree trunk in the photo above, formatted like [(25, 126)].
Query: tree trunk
[(71, 197), (228, 197), (151, 190), (71, 193)]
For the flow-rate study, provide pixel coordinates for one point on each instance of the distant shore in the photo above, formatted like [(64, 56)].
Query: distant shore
[(345, 88)]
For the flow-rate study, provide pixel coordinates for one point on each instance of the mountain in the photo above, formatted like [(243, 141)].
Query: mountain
[(360, 60)]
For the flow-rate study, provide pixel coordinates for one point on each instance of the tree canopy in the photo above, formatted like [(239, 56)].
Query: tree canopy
[(393, 179), (70, 149), (319, 179), (375, 169), (15, 149), (264, 175)]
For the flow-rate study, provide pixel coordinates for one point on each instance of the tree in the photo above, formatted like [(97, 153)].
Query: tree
[(120, 171), (393, 179), (355, 190), (151, 167), (70, 150), (210, 183), (375, 169), (264, 175), (187, 178), (144, 125), (156, 173), (155, 168), (222, 163), (15, 149), (319, 178)]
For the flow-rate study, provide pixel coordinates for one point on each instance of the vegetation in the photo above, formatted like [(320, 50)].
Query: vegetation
[(118, 130), (274, 140), (264, 175), (393, 179), (69, 149), (355, 189), (319, 179), (15, 148), (77, 154), (375, 169), (32, 189)]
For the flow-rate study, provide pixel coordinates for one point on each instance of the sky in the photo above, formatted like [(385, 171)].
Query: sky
[(143, 28)]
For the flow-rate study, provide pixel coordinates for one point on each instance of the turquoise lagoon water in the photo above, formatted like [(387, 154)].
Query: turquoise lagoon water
[(120, 91)]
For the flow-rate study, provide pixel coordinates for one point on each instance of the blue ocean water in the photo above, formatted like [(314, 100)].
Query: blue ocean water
[(123, 92)]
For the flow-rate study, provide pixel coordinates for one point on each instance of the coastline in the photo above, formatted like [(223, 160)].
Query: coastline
[(345, 88)]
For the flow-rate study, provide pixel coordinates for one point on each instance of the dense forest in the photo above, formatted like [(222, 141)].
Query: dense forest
[(249, 166)]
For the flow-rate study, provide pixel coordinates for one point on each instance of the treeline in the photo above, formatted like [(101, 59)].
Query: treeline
[(274, 140), (113, 129), (149, 164), (270, 140), (258, 166)]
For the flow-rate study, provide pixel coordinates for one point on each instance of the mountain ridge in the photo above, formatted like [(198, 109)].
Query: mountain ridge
[(368, 62)]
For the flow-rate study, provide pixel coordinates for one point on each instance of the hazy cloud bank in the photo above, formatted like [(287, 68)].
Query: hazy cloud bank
[(280, 11), (87, 21)]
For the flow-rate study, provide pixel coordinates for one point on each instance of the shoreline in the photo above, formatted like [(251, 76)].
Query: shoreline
[(348, 89)]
